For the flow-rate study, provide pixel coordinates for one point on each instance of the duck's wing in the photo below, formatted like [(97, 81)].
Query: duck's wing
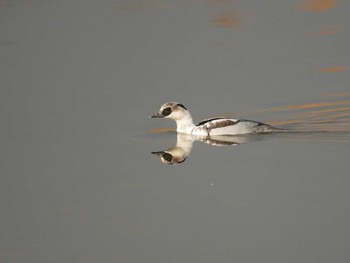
[(219, 122), (215, 123), (227, 126)]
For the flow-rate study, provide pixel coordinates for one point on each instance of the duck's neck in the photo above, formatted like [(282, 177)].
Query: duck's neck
[(185, 124)]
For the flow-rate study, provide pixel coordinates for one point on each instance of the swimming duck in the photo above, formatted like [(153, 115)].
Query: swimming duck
[(214, 126)]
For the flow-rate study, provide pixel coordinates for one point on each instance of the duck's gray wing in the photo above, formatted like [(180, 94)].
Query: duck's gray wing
[(215, 123), (220, 122)]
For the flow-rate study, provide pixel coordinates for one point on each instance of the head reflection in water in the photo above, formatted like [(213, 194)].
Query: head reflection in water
[(179, 153), (168, 158)]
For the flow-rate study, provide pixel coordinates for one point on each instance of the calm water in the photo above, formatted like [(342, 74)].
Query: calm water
[(78, 180)]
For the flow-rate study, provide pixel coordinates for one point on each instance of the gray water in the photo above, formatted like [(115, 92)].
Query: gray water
[(78, 82)]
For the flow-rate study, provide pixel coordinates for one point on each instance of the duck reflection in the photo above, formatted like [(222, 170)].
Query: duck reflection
[(179, 153)]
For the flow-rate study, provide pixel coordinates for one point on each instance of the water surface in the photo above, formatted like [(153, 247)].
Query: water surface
[(78, 180)]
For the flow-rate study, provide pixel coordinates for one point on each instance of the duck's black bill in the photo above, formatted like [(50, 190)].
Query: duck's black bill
[(158, 153), (157, 115)]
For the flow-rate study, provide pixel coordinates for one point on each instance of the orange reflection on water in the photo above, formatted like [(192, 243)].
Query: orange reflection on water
[(228, 19), (331, 118), (160, 130), (317, 5), (325, 111), (309, 105), (330, 30), (333, 69)]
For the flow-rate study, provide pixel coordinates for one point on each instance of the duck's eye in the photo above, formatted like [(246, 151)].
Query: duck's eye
[(166, 111), (167, 157)]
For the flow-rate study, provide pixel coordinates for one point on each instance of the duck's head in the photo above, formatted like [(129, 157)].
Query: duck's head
[(172, 110)]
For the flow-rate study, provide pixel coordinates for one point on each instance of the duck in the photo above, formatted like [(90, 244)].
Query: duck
[(209, 127)]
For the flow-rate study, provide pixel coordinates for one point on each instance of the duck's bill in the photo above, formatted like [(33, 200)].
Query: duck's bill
[(157, 115), (158, 153)]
